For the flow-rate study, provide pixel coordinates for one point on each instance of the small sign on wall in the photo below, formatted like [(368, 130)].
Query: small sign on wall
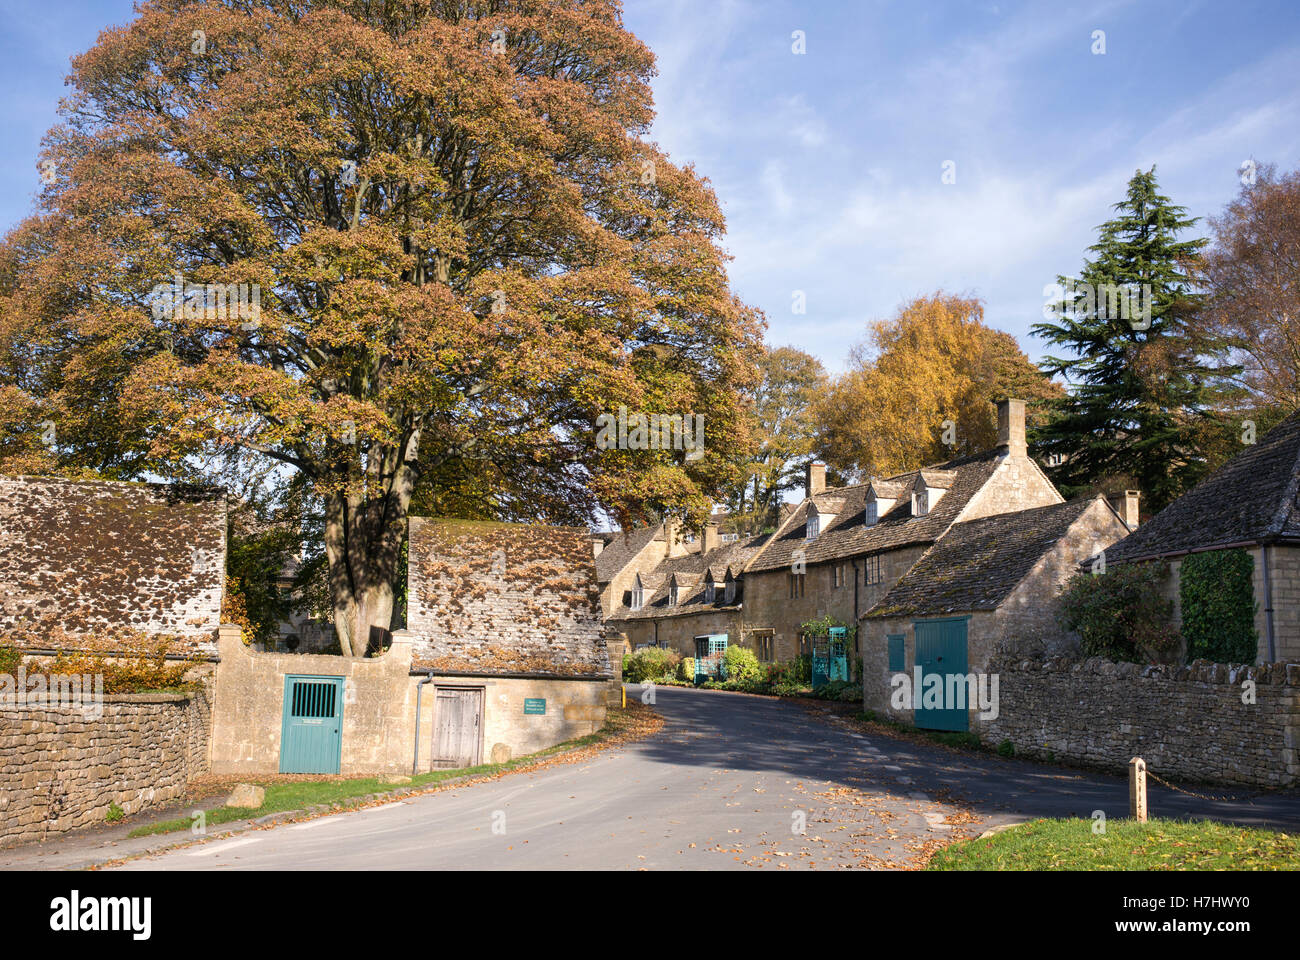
[(534, 705)]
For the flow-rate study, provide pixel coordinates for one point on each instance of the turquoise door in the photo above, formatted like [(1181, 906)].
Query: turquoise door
[(311, 733), (941, 650), (708, 656)]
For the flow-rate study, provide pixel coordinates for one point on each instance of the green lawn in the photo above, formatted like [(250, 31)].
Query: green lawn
[(299, 794), (1126, 845)]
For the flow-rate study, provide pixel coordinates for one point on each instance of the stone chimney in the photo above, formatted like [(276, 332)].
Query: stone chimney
[(674, 542), (814, 479), (1126, 505), (1011, 428), (597, 545), (709, 539)]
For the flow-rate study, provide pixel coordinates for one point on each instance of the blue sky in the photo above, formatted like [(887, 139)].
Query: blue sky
[(829, 164)]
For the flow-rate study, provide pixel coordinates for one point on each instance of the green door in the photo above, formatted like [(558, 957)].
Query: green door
[(941, 650), (311, 733)]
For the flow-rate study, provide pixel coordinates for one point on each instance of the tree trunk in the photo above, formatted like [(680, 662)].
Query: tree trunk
[(363, 545)]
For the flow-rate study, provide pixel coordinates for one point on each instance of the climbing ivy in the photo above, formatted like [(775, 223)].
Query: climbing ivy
[(1218, 604)]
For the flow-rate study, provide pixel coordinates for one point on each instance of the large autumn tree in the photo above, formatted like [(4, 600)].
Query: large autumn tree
[(921, 389), (465, 249)]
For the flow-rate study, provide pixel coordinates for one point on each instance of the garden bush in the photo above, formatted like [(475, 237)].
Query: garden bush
[(1121, 615), (740, 665), (650, 663), (686, 669)]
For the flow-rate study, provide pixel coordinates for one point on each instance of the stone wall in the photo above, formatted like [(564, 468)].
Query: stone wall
[(62, 768), (90, 557), (1187, 722)]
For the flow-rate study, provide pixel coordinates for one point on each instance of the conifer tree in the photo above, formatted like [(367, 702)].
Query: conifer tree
[(1143, 383)]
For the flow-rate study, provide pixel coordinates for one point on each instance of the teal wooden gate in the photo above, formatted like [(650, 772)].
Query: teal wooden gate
[(941, 649), (830, 660), (708, 656), (311, 733)]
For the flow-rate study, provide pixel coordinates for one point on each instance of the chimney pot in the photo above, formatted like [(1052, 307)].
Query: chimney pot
[(1011, 427), (1126, 504), (815, 479), (709, 539)]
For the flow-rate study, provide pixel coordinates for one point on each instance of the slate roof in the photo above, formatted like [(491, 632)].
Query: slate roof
[(849, 536), (978, 563), (504, 598), (692, 568), (1251, 498), (620, 548)]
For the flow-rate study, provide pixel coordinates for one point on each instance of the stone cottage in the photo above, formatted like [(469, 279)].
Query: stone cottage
[(1251, 503), (842, 549), (696, 590), (987, 586), (506, 630)]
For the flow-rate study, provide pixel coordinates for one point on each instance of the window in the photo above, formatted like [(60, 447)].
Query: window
[(710, 592), (920, 503), (871, 570), (763, 644), (730, 595), (796, 585), (638, 597), (873, 513), (814, 525), (837, 576), (672, 595), (805, 644), (897, 660)]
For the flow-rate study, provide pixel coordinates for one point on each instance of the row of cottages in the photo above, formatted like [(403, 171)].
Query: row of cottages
[(930, 566), (1253, 503)]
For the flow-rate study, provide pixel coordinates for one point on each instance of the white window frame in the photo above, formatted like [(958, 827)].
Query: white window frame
[(813, 527), (873, 513)]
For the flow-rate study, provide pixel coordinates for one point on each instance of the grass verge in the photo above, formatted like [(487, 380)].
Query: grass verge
[(621, 726), (1126, 845)]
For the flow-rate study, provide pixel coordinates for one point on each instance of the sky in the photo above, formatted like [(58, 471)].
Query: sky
[(830, 163)]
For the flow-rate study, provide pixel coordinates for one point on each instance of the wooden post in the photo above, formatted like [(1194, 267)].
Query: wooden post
[(1137, 789)]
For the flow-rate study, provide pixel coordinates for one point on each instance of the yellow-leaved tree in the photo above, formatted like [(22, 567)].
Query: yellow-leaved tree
[(920, 389)]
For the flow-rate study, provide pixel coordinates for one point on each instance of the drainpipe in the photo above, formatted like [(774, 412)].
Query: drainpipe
[(419, 692), (1268, 604)]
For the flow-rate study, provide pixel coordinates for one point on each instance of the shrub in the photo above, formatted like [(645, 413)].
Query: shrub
[(686, 669), (1006, 749), (740, 665), (844, 690), (793, 673), (1122, 614), (1218, 604), (128, 661), (11, 658), (651, 663)]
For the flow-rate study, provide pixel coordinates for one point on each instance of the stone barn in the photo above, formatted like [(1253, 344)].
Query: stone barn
[(506, 632)]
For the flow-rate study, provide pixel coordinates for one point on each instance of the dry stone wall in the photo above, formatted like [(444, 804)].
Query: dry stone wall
[(62, 768), (1188, 722)]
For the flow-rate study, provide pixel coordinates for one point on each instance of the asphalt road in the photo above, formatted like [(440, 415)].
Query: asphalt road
[(732, 782)]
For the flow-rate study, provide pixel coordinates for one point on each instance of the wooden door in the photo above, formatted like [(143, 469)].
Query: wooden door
[(458, 727)]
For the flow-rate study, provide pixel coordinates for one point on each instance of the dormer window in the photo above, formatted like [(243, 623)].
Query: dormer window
[(672, 595), (730, 589), (873, 513), (710, 591), (920, 503), (813, 528), (638, 596)]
